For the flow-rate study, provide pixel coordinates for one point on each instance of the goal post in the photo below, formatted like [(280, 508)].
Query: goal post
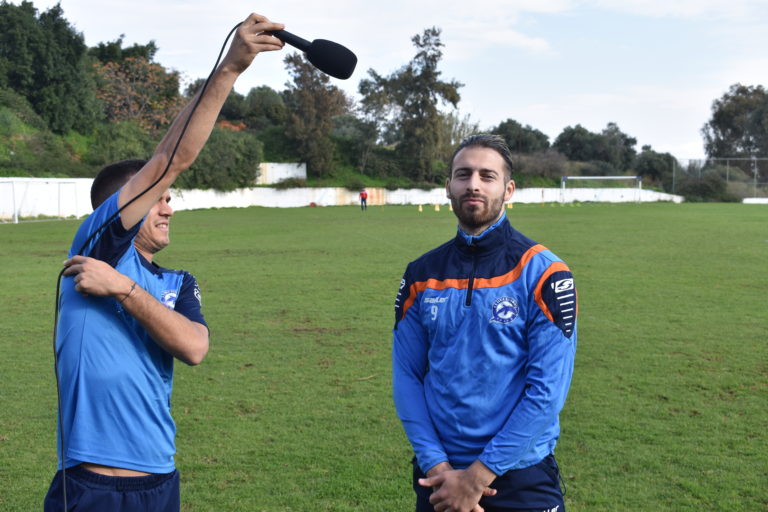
[(637, 179)]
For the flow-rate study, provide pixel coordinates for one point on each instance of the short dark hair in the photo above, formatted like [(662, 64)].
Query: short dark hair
[(490, 141), (111, 177)]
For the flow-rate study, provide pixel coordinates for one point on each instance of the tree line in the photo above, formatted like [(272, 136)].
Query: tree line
[(67, 109)]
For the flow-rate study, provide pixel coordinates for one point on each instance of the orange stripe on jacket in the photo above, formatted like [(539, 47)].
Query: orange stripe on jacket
[(493, 282), (557, 266)]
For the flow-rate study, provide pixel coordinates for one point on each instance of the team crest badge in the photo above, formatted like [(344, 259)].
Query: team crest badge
[(504, 310), (169, 299)]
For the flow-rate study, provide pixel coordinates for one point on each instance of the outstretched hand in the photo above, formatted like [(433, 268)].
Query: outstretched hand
[(251, 38)]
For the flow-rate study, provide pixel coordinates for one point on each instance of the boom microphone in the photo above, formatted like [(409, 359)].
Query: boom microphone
[(329, 57)]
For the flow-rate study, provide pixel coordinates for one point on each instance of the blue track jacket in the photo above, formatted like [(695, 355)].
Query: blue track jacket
[(483, 350)]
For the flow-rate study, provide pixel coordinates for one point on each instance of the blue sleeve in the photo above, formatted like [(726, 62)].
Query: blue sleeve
[(190, 302), (410, 348), (102, 235), (552, 349)]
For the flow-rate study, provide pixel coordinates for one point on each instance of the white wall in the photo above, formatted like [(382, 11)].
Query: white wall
[(54, 197), (32, 197)]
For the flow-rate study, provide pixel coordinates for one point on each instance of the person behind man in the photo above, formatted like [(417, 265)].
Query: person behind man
[(363, 199), (123, 319), (483, 350)]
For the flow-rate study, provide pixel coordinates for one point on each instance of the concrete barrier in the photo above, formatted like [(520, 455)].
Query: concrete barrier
[(70, 197)]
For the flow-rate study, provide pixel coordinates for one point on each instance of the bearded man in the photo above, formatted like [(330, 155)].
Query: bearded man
[(483, 350)]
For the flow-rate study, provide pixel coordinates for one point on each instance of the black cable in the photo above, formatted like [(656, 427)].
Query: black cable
[(63, 451)]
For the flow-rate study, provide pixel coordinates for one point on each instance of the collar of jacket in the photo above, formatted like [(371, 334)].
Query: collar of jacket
[(486, 240)]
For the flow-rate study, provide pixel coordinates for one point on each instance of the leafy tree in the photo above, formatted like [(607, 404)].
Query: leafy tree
[(234, 107), (311, 103), (20, 43), (655, 168), (260, 109), (113, 51), (229, 160), (618, 147), (522, 139), (407, 100), (354, 139), (45, 60), (455, 129), (611, 147), (264, 107), (739, 123), (278, 147), (138, 90), (577, 143)]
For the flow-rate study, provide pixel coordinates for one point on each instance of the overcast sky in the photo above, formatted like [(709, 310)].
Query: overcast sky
[(654, 67)]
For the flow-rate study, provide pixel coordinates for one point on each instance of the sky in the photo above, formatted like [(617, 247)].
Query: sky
[(653, 67)]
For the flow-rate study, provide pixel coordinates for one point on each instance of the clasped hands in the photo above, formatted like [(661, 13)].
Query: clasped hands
[(458, 490)]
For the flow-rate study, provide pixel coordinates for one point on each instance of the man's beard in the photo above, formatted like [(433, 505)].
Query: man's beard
[(474, 217)]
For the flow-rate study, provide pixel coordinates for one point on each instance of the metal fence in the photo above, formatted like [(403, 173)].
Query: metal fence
[(744, 177)]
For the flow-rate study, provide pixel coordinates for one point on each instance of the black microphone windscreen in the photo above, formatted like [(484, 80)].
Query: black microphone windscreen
[(332, 58)]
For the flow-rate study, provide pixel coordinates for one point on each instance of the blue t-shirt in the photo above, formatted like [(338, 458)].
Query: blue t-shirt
[(115, 380)]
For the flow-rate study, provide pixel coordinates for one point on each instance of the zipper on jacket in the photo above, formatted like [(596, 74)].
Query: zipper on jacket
[(471, 283)]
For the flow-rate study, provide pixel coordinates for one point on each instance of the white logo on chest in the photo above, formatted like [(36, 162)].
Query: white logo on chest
[(504, 310)]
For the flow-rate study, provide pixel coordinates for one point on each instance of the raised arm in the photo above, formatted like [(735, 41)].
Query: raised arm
[(250, 40)]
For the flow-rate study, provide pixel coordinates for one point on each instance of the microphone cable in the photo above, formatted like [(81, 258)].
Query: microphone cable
[(62, 445)]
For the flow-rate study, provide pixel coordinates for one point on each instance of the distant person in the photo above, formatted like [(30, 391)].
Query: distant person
[(123, 319), (363, 200), (483, 350)]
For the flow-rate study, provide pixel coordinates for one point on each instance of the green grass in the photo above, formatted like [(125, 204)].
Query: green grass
[(291, 410)]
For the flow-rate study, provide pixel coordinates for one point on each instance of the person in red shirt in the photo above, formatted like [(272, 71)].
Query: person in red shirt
[(363, 199)]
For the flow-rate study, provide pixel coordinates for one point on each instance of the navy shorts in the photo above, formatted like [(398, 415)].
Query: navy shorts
[(88, 491), (532, 489)]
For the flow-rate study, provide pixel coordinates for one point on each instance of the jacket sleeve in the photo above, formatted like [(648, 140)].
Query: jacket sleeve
[(410, 349), (551, 352)]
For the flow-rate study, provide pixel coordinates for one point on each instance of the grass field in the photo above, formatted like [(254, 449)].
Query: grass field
[(291, 410)]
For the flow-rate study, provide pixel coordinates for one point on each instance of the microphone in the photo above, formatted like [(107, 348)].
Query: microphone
[(329, 57)]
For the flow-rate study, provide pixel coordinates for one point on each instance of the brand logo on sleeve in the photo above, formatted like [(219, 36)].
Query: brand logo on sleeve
[(563, 285), (504, 310)]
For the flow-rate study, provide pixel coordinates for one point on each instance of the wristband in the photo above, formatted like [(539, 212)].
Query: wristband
[(133, 287)]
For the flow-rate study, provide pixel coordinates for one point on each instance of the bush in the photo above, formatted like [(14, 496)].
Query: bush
[(539, 169), (27, 151), (354, 183), (19, 105), (710, 186), (228, 161), (113, 142), (290, 183), (277, 146)]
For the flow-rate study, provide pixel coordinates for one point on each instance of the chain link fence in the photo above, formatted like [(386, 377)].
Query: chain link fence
[(727, 179)]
